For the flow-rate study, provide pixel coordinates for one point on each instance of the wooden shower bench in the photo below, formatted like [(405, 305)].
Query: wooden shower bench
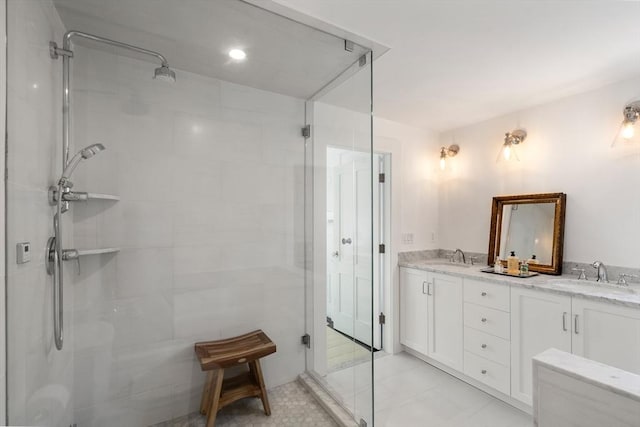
[(216, 356)]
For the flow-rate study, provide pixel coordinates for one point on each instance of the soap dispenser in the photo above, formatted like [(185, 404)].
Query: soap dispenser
[(513, 264), (532, 260)]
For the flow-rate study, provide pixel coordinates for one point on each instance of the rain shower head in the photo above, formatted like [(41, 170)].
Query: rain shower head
[(165, 73), (85, 153)]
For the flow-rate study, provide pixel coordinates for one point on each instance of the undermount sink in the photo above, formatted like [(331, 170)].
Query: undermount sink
[(451, 264), (587, 286)]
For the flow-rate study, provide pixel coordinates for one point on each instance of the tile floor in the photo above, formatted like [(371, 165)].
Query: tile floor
[(343, 352), (291, 406), (410, 392)]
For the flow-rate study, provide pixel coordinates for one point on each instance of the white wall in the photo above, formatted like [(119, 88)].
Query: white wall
[(39, 377), (568, 149), (210, 230)]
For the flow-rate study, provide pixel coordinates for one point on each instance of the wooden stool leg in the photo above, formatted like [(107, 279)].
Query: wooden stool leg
[(206, 393), (254, 367), (215, 390)]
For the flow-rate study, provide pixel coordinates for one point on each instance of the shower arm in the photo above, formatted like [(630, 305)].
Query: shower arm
[(67, 54)]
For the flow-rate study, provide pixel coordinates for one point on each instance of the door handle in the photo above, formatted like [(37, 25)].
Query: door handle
[(423, 283), (346, 241), (564, 321), (575, 324), (429, 289)]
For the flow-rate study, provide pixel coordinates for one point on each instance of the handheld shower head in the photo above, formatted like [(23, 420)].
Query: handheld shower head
[(165, 73), (85, 153), (91, 150)]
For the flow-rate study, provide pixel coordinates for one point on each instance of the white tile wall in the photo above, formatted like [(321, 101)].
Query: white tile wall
[(40, 378), (209, 174)]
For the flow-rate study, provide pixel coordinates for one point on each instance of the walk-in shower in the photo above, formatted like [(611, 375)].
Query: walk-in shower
[(62, 194), (200, 219)]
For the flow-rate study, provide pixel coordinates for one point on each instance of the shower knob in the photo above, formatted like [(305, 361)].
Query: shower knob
[(346, 241)]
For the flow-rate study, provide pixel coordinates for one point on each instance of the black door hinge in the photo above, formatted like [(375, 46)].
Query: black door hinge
[(382, 248), (306, 131), (382, 319), (306, 340), (381, 178)]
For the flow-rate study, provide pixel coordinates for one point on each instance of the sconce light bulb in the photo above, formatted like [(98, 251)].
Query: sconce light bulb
[(627, 130), (506, 152), (443, 163)]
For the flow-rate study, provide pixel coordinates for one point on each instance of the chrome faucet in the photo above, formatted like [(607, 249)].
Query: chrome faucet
[(602, 271), (458, 251)]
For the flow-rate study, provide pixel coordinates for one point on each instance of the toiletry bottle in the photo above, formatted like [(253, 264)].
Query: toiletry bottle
[(513, 264), (497, 266), (532, 260), (524, 268)]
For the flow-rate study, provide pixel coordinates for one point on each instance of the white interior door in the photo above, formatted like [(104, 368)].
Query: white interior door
[(351, 295)]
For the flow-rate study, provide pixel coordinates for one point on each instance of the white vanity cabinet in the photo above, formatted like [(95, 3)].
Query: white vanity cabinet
[(444, 296), (413, 309), (539, 321), (431, 315), (606, 333)]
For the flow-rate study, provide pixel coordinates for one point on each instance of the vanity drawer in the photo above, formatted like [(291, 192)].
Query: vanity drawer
[(494, 322), (490, 373), (488, 346), (487, 294)]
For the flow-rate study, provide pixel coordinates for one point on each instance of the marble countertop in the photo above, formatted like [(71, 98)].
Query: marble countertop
[(601, 375), (588, 289)]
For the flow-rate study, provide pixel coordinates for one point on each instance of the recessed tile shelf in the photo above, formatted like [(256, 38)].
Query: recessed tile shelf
[(85, 252)]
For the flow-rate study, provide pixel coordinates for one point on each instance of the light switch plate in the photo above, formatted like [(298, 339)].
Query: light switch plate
[(23, 252)]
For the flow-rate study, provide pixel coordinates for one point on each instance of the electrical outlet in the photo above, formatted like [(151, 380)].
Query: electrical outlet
[(407, 238)]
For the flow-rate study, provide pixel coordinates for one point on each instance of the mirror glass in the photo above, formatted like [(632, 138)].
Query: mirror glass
[(532, 226), (527, 229)]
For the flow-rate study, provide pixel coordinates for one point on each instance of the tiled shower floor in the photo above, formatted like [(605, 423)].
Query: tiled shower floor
[(291, 406)]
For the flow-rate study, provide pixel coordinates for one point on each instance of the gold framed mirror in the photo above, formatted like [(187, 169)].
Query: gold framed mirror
[(531, 225)]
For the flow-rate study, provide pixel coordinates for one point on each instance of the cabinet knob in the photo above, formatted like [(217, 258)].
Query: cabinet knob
[(484, 346), (484, 320), (484, 372), (484, 294)]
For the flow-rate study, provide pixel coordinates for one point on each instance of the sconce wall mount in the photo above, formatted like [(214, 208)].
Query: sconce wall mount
[(445, 152), (511, 139)]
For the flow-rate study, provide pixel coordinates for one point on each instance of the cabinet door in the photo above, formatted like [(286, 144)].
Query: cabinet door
[(607, 333), (413, 309), (445, 319), (539, 321)]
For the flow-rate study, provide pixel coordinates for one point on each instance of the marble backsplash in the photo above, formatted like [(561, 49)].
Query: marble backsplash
[(613, 271)]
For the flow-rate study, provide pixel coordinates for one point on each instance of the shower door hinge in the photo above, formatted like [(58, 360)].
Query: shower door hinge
[(382, 319), (362, 61), (349, 45), (306, 340), (306, 131), (381, 178), (381, 248)]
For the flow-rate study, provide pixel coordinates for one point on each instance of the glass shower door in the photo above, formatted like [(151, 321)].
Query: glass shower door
[(340, 240)]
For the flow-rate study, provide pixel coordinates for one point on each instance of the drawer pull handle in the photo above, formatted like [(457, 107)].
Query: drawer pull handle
[(484, 320), (484, 294), (423, 292), (575, 324), (564, 321), (484, 346), (484, 372)]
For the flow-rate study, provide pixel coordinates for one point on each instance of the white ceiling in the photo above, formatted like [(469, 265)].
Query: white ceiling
[(283, 56), (459, 62), (451, 63)]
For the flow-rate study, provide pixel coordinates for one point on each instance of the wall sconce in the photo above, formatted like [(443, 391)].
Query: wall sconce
[(447, 152), (511, 139), (631, 115)]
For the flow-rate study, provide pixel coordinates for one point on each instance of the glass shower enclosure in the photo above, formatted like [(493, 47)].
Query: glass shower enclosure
[(237, 197)]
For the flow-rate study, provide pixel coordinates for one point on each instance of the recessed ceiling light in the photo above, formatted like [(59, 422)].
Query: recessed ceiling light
[(237, 54)]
